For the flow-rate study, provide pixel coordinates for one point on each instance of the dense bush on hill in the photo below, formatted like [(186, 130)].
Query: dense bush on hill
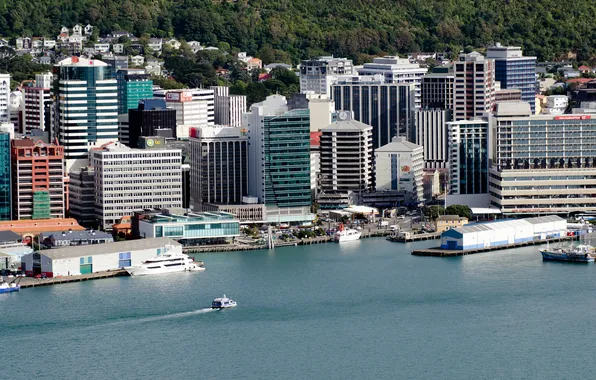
[(284, 30)]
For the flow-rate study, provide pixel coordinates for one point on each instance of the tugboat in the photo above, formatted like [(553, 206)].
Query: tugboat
[(346, 234), (223, 303), (580, 254)]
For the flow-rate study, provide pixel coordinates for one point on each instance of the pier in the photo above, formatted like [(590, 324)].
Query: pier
[(415, 237), (30, 282), (439, 252)]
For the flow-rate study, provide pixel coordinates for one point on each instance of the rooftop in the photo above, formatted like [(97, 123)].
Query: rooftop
[(399, 144), (345, 125), (37, 226), (75, 235), (190, 217), (102, 249), (81, 61), (9, 236), (451, 217)]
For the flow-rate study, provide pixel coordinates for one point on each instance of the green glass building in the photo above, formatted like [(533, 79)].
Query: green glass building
[(133, 85), (5, 176), (279, 160)]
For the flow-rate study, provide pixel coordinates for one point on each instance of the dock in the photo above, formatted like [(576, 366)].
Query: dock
[(439, 252), (415, 237), (30, 282)]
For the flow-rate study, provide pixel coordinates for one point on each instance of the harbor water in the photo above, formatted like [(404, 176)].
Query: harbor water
[(360, 310)]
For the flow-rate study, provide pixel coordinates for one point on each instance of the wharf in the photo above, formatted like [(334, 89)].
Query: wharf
[(438, 252), (416, 237), (30, 282)]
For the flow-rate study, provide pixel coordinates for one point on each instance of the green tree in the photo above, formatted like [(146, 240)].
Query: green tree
[(460, 210), (433, 212)]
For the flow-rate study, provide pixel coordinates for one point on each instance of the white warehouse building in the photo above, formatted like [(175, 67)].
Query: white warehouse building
[(71, 261), (493, 234)]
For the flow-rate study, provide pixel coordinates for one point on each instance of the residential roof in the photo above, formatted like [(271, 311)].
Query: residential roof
[(107, 248), (9, 236)]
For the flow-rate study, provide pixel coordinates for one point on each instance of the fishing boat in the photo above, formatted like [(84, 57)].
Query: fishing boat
[(581, 254)]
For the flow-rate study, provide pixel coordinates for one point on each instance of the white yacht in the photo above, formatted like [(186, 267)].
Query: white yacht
[(223, 303), (167, 263), (346, 234)]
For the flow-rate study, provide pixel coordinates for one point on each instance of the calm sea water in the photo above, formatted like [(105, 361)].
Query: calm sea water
[(359, 310)]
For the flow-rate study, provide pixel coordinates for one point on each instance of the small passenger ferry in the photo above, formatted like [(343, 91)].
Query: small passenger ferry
[(223, 303)]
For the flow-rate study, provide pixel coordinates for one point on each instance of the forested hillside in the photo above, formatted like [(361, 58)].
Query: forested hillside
[(294, 29)]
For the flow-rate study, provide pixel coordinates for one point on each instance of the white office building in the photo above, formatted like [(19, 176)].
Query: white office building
[(85, 112), (399, 166), (346, 156), (37, 103), (544, 164), (317, 75), (556, 104), (4, 97), (228, 108), (396, 70), (194, 107), (128, 180)]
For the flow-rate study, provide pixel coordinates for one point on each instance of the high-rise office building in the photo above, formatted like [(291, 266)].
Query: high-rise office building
[(37, 103), (85, 112), (228, 108), (346, 156), (397, 70), (469, 157), (437, 89), (81, 196), (542, 164), (5, 191), (387, 107), (474, 92), (218, 165), (128, 180), (150, 118), (133, 85), (279, 159), (399, 167), (431, 133), (38, 189), (515, 71), (317, 75), (4, 97), (194, 107)]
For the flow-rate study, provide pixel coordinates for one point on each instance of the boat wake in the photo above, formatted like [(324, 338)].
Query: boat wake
[(163, 317)]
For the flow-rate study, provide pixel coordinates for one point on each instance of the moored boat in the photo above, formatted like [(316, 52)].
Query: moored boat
[(6, 287), (167, 263), (580, 254), (346, 234)]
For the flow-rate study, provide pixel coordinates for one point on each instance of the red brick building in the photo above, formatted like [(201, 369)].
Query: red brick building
[(39, 190)]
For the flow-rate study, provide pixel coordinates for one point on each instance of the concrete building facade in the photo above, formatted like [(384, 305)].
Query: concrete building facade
[(431, 132), (474, 87), (37, 104), (128, 179), (399, 167), (317, 75), (346, 156)]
